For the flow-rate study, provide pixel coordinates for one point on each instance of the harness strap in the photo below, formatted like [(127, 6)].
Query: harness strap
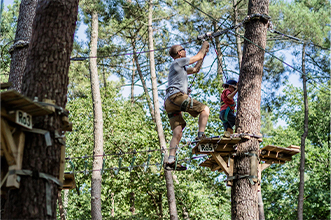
[(184, 104), (226, 113)]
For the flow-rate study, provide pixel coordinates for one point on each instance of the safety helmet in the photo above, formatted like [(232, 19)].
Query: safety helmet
[(230, 82)]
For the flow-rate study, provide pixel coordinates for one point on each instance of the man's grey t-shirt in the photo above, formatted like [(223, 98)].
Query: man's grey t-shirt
[(177, 79)]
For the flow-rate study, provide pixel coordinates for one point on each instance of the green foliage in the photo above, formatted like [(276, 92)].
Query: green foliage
[(280, 183), (7, 36)]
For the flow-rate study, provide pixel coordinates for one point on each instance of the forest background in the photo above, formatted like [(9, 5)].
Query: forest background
[(128, 125)]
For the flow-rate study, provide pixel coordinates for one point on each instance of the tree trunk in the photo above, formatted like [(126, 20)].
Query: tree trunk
[(46, 75), (133, 42), (235, 21), (98, 122), (132, 81), (61, 209), (160, 206), (260, 205), (112, 205), (65, 201), (303, 138), (219, 60), (244, 200), (21, 45), (168, 176)]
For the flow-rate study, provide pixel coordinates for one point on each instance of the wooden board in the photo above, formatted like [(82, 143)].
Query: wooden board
[(8, 145), (271, 154), (13, 100), (19, 138), (223, 144), (69, 181), (277, 154)]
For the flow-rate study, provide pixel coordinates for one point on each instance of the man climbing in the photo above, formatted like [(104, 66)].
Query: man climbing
[(177, 99), (228, 105)]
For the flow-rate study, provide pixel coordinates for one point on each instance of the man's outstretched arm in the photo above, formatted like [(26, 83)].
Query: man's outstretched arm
[(198, 58)]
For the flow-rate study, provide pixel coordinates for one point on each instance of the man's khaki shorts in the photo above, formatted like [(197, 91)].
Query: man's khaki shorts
[(172, 105)]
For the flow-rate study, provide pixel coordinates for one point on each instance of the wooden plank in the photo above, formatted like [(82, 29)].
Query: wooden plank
[(19, 138), (9, 146), (62, 163), (220, 161), (230, 183), (13, 100), (69, 181), (5, 85), (215, 167)]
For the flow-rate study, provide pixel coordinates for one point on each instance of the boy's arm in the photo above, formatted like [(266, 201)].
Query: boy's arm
[(231, 95)]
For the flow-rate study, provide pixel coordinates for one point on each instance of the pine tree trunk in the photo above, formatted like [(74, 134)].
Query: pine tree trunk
[(46, 75), (149, 101), (61, 209), (244, 200), (219, 61), (238, 42), (132, 81), (98, 122), (303, 138), (168, 176), (21, 44)]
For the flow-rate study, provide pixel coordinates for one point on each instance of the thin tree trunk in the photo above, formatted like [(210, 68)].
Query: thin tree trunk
[(112, 205), (132, 81), (98, 122), (61, 209), (65, 201), (219, 60), (261, 206), (160, 206), (244, 200), (303, 138), (21, 45), (168, 176), (149, 101), (46, 75), (238, 42)]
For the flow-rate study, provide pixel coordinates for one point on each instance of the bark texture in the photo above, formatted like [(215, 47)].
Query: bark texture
[(303, 138), (61, 209), (46, 75), (244, 200), (238, 42), (168, 176), (98, 122), (19, 50), (143, 82), (219, 60)]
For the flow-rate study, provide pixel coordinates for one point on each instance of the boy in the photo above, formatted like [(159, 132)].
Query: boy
[(228, 105)]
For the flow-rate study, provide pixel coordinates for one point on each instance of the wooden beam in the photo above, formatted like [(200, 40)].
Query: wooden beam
[(62, 163), (265, 165), (19, 138), (229, 183), (215, 167), (220, 161), (8, 142)]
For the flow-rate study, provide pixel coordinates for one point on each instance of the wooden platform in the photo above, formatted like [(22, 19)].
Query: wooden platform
[(13, 100), (222, 150), (218, 144)]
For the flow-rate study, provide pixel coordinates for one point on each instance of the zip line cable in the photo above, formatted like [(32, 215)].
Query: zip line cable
[(246, 19)]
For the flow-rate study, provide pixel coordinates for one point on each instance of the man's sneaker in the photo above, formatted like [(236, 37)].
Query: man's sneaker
[(171, 166), (203, 136)]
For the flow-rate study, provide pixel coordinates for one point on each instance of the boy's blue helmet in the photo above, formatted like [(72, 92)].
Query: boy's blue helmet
[(231, 82)]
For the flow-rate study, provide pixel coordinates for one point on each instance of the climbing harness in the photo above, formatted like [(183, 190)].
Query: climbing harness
[(228, 109)]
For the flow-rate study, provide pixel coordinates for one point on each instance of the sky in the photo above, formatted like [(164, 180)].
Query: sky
[(293, 78)]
